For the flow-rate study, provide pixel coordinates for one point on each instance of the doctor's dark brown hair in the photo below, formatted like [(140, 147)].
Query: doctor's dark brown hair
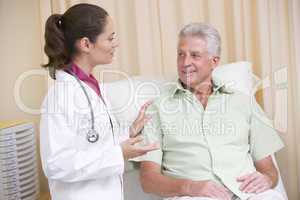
[(62, 31)]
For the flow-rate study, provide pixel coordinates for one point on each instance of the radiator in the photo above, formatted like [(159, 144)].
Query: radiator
[(18, 162)]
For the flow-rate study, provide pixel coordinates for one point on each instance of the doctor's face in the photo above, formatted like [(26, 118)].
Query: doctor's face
[(194, 64), (102, 51)]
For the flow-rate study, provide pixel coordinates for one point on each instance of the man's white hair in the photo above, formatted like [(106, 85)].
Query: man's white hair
[(205, 32)]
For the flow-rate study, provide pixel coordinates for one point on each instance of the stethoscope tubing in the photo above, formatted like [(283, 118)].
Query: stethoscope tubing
[(91, 108), (88, 99)]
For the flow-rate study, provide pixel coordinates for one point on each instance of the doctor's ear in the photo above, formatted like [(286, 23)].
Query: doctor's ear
[(84, 44)]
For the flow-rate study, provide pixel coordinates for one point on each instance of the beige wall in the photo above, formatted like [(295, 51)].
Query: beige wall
[(21, 51)]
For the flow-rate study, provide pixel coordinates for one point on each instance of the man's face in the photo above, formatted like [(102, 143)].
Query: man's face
[(194, 64)]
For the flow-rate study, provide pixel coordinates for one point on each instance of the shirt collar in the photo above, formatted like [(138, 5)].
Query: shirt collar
[(74, 69), (216, 88)]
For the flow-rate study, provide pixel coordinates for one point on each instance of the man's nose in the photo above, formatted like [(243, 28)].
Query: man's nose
[(187, 61)]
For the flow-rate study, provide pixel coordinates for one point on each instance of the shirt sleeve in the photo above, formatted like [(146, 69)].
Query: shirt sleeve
[(264, 139), (152, 133)]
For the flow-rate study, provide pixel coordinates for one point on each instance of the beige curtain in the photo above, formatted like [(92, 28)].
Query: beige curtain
[(265, 32)]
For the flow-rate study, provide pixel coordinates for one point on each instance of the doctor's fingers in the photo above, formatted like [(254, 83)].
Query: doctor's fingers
[(135, 140), (142, 112), (132, 141), (144, 107), (138, 125), (146, 148)]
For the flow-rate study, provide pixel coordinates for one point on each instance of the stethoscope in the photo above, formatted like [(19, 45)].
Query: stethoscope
[(92, 135)]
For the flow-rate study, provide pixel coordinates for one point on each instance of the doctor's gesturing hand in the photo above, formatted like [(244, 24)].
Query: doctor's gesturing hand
[(139, 123), (129, 148)]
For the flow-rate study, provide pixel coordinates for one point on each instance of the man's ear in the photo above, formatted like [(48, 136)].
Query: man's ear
[(84, 44), (215, 62)]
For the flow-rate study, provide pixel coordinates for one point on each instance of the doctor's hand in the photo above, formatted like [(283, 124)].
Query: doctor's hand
[(207, 189), (130, 150), (255, 182), (138, 124)]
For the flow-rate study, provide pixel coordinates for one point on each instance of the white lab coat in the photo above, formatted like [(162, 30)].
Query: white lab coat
[(75, 168)]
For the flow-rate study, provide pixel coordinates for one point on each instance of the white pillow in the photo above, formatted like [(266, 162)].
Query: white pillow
[(127, 96), (237, 76)]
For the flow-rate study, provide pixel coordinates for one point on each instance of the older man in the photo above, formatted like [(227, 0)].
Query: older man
[(215, 143)]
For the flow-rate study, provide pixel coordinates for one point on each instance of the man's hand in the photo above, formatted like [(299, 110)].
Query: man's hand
[(208, 189), (255, 182), (138, 124)]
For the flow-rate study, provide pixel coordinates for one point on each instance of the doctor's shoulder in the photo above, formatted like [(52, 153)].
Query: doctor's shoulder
[(58, 95)]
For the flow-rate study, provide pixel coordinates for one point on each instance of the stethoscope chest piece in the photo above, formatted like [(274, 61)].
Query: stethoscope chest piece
[(92, 136)]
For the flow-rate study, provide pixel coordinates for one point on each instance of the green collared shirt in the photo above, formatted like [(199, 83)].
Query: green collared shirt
[(219, 143)]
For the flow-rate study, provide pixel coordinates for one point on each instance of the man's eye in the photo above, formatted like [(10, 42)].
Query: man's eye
[(180, 54), (196, 56)]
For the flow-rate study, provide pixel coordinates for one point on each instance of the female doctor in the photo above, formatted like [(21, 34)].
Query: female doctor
[(82, 147)]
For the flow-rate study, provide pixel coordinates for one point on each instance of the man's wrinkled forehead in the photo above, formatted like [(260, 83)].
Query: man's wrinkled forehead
[(191, 44)]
